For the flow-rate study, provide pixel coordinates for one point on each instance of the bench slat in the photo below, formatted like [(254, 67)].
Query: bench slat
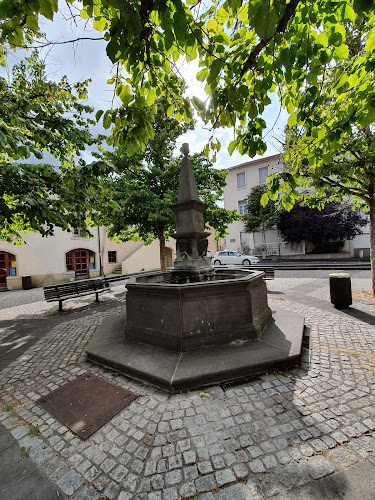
[(74, 289)]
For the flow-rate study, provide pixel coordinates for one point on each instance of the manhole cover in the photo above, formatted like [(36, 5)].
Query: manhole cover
[(86, 404)]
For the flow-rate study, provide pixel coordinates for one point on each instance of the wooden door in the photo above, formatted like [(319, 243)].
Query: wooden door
[(4, 268), (7, 267), (81, 263)]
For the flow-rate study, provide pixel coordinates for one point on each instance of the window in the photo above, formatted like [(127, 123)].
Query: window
[(241, 180), (76, 232), (263, 174), (242, 207), (233, 240), (112, 256)]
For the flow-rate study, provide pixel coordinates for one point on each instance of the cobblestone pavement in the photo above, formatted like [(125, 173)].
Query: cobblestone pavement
[(263, 439)]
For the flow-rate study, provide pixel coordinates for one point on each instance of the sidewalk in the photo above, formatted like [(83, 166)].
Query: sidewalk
[(304, 434)]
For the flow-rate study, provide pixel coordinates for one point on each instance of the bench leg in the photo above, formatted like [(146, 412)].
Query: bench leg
[(60, 305), (97, 296)]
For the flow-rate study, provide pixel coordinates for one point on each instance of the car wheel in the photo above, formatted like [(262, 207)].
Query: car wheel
[(246, 262), (217, 263)]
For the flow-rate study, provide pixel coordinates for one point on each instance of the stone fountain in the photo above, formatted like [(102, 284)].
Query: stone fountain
[(194, 326)]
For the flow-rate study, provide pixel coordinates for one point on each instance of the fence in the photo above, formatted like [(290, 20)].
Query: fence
[(276, 248)]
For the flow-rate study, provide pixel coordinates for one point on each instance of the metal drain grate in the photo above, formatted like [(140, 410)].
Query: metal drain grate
[(85, 404), (239, 382)]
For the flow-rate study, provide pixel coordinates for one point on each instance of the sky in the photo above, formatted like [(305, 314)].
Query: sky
[(88, 59)]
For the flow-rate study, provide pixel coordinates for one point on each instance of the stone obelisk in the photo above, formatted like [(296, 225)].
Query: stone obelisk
[(192, 263)]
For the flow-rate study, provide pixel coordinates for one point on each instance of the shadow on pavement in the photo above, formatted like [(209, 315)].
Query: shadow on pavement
[(360, 315), (24, 333)]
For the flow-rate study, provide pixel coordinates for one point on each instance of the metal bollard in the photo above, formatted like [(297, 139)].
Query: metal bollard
[(340, 289)]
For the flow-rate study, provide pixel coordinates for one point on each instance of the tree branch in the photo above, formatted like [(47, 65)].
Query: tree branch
[(351, 190), (281, 27), (47, 44)]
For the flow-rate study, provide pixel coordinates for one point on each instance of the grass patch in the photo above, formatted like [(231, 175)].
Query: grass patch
[(25, 452), (364, 295), (34, 431), (371, 368), (354, 354), (7, 407)]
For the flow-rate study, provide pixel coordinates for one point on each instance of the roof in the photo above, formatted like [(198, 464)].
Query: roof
[(255, 162)]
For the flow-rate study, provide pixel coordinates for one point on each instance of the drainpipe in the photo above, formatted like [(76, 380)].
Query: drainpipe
[(100, 254)]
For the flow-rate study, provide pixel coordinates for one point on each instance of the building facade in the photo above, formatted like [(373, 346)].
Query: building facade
[(240, 180), (69, 256)]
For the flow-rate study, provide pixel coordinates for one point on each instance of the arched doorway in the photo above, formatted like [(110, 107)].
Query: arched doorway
[(169, 256), (7, 267), (80, 261)]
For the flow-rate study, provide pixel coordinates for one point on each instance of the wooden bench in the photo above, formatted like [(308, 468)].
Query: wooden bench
[(74, 289)]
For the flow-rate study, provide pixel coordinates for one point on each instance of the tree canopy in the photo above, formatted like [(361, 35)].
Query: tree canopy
[(335, 223), (331, 154), (39, 116), (135, 202), (246, 51), (258, 217)]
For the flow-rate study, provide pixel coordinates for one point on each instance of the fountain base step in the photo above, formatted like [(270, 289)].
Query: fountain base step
[(279, 348)]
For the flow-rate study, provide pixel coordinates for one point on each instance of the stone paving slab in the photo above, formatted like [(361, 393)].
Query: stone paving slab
[(272, 438)]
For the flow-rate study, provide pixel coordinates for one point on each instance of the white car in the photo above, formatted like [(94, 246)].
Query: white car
[(231, 257)]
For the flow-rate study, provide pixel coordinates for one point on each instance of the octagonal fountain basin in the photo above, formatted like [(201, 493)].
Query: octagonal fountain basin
[(232, 306), (190, 335)]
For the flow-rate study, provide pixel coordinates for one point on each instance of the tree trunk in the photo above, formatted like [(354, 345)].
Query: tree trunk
[(372, 239), (163, 254)]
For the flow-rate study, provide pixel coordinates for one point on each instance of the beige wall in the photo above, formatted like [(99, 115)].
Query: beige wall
[(146, 258), (43, 256), (44, 259)]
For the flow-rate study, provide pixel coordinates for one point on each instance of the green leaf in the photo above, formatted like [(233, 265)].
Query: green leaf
[(211, 25), (322, 39), (370, 44), (292, 120), (179, 23), (348, 13), (47, 8), (151, 96), (215, 69), (198, 104), (232, 146), (201, 75), (107, 119), (264, 199), (263, 18), (368, 117), (312, 78), (342, 52), (125, 95), (204, 395), (222, 15), (170, 110), (100, 23), (99, 114)]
